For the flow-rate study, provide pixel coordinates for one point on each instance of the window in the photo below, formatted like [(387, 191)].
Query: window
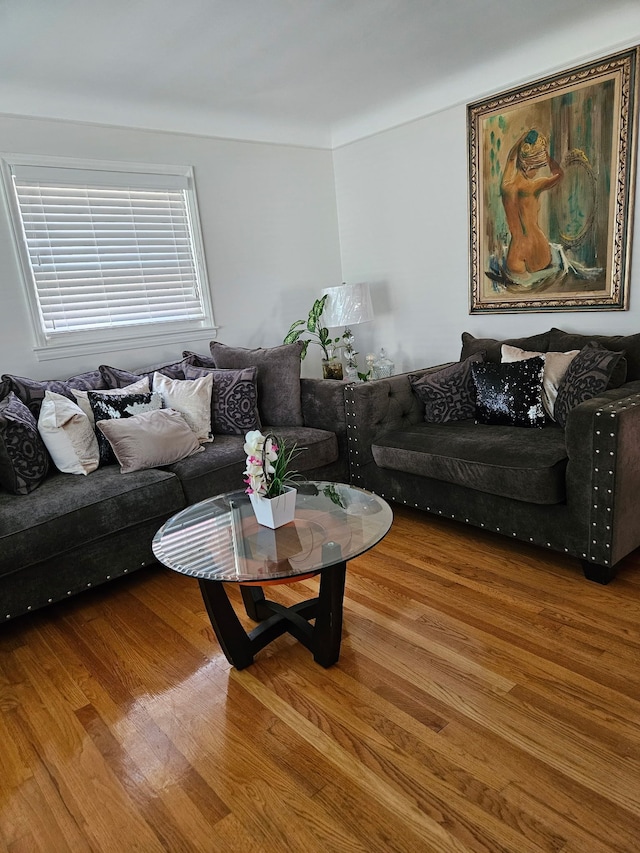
[(109, 252)]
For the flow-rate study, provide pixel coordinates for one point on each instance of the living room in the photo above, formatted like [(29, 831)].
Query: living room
[(290, 205)]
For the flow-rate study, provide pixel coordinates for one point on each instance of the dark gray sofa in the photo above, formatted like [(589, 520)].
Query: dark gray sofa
[(76, 532), (574, 490)]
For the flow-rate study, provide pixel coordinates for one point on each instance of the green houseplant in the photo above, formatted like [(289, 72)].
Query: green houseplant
[(318, 334)]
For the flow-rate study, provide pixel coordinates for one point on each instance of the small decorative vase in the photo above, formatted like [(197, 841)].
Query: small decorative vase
[(331, 368), (274, 512)]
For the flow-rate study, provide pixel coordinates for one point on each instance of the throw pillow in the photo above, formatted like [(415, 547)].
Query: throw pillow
[(279, 401), (149, 439), (68, 435), (492, 348), (116, 377), (24, 461), (555, 367), (196, 359), (234, 399), (587, 376), (112, 406), (509, 394), (448, 394), (627, 369), (31, 391), (191, 397), (82, 397)]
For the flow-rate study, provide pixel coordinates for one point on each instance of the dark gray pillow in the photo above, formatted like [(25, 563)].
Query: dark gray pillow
[(24, 461), (234, 399), (492, 348), (449, 394), (279, 400), (197, 359), (118, 406), (509, 394), (31, 391), (116, 377), (588, 375), (628, 367)]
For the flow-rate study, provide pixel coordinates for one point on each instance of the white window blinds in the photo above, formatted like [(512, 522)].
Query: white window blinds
[(108, 249)]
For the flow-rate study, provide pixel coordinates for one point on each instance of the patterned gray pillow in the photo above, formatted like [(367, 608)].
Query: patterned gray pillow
[(234, 399), (118, 406), (588, 375), (450, 393), (510, 394), (117, 377), (31, 391), (279, 401), (24, 461)]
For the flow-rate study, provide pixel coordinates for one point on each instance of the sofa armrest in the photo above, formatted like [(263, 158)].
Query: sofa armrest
[(603, 473), (377, 407)]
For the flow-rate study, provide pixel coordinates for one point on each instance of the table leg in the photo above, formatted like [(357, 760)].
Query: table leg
[(253, 598), (327, 633), (233, 639)]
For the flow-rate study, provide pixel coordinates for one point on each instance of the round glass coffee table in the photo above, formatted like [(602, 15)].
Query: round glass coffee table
[(219, 541)]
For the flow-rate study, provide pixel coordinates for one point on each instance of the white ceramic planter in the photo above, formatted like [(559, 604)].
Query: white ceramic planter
[(274, 512)]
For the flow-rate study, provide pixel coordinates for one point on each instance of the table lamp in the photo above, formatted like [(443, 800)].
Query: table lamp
[(347, 306)]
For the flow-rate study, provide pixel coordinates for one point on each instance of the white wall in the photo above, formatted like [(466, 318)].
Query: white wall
[(269, 223), (403, 216)]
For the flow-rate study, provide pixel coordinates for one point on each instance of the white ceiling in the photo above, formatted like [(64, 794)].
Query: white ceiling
[(313, 72)]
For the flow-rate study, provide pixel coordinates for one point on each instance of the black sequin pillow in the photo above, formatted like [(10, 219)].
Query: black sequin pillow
[(588, 375), (118, 406), (234, 398), (509, 394), (24, 461), (448, 394)]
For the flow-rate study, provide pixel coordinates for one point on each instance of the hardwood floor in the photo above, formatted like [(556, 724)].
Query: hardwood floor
[(487, 698)]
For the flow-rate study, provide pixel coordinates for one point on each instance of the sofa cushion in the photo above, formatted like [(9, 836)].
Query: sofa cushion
[(234, 398), (31, 391), (617, 343), (448, 394), (220, 468), (150, 439), (279, 401), (588, 375), (526, 465), (24, 461), (66, 511), (493, 348), (510, 394)]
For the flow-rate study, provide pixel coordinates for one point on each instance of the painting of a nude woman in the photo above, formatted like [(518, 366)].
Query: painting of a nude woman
[(551, 173)]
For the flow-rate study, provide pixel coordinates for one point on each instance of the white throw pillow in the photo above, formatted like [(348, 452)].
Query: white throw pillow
[(68, 435), (157, 437), (555, 367), (139, 387), (190, 397)]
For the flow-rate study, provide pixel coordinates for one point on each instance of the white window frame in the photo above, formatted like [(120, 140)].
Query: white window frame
[(77, 343)]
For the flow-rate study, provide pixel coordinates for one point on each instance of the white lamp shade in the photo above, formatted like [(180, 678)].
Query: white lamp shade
[(347, 305)]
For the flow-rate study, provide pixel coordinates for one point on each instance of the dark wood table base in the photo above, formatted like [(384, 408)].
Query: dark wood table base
[(322, 638)]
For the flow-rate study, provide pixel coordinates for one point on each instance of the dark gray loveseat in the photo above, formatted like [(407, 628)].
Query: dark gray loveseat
[(74, 532), (575, 490)]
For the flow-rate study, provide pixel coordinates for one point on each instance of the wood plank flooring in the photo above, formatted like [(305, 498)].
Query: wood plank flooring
[(487, 698)]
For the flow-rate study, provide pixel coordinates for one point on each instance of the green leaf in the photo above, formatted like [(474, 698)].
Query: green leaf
[(305, 347), (292, 337)]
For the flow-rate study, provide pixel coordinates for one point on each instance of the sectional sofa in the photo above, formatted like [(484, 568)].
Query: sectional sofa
[(573, 488), (70, 532)]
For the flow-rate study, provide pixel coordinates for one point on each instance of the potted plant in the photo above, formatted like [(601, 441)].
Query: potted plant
[(268, 478), (319, 334)]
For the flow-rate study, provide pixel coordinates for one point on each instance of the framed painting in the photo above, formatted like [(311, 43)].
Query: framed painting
[(551, 189)]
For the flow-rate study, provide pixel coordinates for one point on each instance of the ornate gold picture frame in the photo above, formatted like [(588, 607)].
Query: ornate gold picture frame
[(551, 190)]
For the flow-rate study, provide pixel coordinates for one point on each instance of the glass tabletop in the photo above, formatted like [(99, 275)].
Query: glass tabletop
[(219, 539)]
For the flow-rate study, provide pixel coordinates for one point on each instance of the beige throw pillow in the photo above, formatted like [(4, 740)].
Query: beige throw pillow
[(190, 397), (156, 437), (68, 435), (82, 398), (555, 367)]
